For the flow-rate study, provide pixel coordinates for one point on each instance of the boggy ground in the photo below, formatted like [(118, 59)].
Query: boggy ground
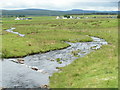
[(97, 70), (41, 35)]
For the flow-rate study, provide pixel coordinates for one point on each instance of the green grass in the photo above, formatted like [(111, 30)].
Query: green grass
[(42, 35), (98, 69)]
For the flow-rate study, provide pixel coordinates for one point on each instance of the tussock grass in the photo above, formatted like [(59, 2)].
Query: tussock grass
[(41, 35), (98, 69)]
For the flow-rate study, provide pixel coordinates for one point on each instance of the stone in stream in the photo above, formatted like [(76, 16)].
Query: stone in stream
[(45, 86), (20, 61), (35, 68), (52, 60)]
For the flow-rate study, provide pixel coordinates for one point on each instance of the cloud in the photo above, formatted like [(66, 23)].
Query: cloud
[(60, 4), (96, 5)]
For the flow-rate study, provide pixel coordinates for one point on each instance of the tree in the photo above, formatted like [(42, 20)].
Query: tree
[(67, 16), (118, 16)]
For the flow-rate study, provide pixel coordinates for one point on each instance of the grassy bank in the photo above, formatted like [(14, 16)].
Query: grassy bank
[(99, 69), (96, 70), (41, 35)]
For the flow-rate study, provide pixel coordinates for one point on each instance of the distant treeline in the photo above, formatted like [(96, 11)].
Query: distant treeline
[(13, 16), (63, 15), (118, 16)]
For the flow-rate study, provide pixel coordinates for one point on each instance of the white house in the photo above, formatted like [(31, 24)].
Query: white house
[(23, 18), (17, 18), (64, 18), (58, 17), (71, 17)]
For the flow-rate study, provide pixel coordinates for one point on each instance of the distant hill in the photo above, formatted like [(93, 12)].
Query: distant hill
[(44, 12)]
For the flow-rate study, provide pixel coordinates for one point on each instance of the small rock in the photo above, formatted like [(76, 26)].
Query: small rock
[(44, 86), (21, 61), (51, 60), (35, 68)]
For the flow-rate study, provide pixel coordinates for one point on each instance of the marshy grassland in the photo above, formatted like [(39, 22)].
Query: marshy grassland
[(41, 34), (98, 69)]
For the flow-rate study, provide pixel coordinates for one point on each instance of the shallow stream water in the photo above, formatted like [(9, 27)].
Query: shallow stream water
[(11, 30), (34, 70)]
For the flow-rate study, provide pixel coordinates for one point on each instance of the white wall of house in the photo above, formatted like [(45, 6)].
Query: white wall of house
[(22, 18), (58, 17), (17, 18)]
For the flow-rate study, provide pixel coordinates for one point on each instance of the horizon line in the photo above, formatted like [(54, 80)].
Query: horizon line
[(59, 10)]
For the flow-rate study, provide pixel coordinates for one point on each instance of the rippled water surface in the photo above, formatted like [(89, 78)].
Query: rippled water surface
[(24, 75)]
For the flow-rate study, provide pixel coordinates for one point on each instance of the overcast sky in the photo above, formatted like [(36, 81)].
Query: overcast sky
[(102, 5)]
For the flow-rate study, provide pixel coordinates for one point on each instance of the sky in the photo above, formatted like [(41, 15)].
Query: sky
[(63, 5)]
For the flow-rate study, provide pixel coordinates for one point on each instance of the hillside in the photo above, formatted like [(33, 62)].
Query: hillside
[(44, 12)]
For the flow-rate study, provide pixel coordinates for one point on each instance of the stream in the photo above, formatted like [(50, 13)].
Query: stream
[(34, 71), (11, 30)]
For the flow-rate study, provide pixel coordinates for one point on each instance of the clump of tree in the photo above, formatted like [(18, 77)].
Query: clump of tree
[(67, 16), (20, 15), (12, 16), (118, 16)]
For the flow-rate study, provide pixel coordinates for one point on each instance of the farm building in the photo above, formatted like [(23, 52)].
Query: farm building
[(67, 17), (18, 18)]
